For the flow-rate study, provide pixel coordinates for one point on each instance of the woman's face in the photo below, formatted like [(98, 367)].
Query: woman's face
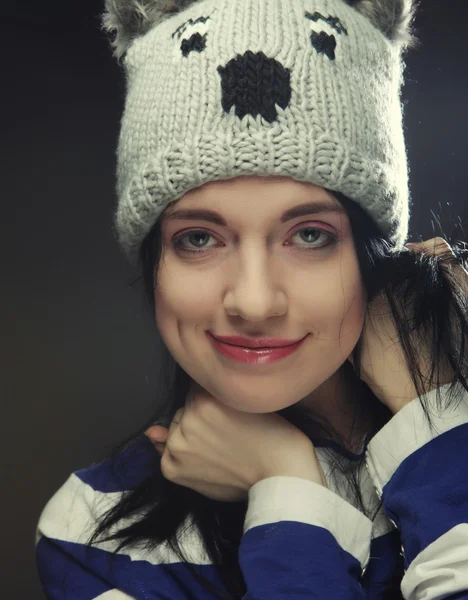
[(258, 275)]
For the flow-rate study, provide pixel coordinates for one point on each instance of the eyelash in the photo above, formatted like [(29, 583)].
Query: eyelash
[(177, 240)]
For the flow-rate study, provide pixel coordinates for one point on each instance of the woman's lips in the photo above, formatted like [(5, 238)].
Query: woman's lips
[(264, 356)]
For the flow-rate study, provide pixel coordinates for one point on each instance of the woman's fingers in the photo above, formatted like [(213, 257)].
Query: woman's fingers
[(158, 436), (437, 246)]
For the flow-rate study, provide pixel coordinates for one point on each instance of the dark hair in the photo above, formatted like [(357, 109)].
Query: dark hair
[(424, 296)]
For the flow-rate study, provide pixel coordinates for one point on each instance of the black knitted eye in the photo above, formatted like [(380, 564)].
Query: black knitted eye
[(196, 42), (323, 42)]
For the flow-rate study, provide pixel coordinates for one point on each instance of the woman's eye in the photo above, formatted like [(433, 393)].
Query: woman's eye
[(195, 239)]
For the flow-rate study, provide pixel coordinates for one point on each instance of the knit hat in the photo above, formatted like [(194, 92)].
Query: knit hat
[(308, 89)]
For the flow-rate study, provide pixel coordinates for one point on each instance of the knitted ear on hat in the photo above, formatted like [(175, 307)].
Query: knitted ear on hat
[(129, 19), (394, 18)]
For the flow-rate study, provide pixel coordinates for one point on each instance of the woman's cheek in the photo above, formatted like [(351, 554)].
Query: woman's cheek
[(337, 305)]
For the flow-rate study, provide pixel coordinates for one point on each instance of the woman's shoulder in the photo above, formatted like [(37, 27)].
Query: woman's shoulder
[(124, 471), (89, 492), (70, 553)]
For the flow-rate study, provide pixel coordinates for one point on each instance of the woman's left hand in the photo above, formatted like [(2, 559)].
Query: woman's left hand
[(383, 364), (221, 452)]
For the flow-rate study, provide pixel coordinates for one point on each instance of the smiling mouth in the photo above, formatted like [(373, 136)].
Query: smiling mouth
[(255, 356)]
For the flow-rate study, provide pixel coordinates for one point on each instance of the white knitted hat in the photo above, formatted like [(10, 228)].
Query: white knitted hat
[(308, 89)]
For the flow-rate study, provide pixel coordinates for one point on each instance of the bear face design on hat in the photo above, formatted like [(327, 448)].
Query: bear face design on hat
[(308, 89)]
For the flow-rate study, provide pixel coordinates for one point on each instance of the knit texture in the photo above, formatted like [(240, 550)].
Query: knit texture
[(307, 89)]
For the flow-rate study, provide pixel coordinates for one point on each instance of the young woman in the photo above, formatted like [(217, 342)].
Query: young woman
[(312, 384)]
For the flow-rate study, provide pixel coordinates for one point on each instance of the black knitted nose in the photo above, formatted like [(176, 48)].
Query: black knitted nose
[(253, 84)]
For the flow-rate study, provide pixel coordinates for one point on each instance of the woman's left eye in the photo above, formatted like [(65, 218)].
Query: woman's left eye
[(317, 233)]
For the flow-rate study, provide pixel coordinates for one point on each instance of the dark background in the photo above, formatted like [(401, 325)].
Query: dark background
[(78, 345)]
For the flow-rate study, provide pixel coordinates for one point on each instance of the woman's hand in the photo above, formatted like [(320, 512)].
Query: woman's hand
[(383, 364), (221, 452)]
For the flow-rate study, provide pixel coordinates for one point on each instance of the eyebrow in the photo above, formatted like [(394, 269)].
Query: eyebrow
[(310, 208)]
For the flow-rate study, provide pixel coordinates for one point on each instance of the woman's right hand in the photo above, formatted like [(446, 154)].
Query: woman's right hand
[(221, 452)]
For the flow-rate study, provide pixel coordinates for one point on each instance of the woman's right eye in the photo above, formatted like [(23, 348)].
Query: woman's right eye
[(177, 242)]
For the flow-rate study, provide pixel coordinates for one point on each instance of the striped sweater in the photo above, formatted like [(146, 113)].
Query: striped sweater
[(300, 539)]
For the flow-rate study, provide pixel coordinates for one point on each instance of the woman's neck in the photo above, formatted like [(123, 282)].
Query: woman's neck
[(340, 406)]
